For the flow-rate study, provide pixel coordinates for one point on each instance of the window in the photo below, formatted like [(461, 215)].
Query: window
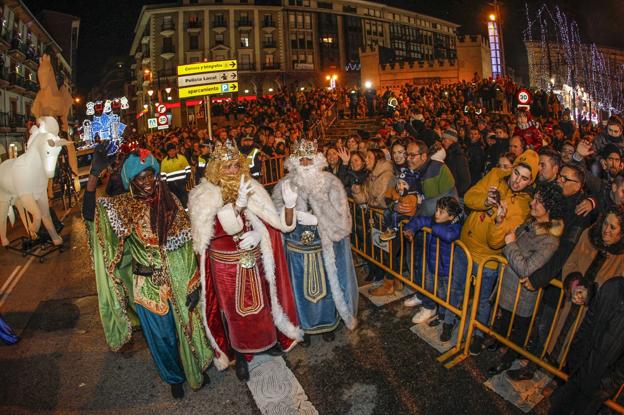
[(193, 42), (268, 60), (244, 40), (219, 39), (324, 5), (194, 59)]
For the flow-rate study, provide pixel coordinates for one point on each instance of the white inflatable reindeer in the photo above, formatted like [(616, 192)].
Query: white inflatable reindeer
[(24, 180)]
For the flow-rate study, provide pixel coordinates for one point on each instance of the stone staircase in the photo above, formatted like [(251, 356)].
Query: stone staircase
[(344, 128)]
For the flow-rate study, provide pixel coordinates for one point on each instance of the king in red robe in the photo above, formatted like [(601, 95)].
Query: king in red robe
[(247, 295)]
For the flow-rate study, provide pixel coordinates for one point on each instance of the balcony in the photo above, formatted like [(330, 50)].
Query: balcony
[(17, 121), (244, 24), (168, 51), (193, 25), (16, 50), (267, 24), (246, 66), (271, 66), (17, 83), (5, 40), (32, 58), (167, 29), (31, 88), (219, 24), (269, 44), (4, 78), (4, 122)]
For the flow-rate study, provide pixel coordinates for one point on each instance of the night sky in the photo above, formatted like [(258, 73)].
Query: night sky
[(107, 25)]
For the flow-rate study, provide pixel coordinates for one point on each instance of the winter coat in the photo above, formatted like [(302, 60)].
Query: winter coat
[(535, 244), (494, 152), (436, 181), (446, 233), (341, 172), (603, 139), (374, 188), (458, 165), (574, 227), (531, 135), (580, 260), (596, 359), (481, 235), (476, 161)]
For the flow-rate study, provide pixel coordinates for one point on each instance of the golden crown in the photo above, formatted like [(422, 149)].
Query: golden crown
[(225, 152), (304, 148)]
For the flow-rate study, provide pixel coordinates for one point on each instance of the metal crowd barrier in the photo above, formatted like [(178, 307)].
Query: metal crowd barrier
[(557, 343), (367, 225), (272, 170)]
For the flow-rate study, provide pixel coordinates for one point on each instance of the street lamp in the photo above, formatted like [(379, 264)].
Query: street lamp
[(368, 84), (492, 17)]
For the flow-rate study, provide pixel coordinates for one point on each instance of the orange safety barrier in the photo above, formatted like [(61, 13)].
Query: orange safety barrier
[(556, 346), (272, 170), (367, 225)]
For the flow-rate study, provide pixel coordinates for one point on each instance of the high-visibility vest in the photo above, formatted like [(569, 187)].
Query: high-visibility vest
[(174, 169), (254, 165)]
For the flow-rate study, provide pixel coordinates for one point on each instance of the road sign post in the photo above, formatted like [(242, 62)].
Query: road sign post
[(205, 79)]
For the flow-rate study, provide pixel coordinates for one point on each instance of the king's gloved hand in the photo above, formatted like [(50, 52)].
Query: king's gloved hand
[(289, 195), (102, 157), (249, 240), (306, 219), (243, 193)]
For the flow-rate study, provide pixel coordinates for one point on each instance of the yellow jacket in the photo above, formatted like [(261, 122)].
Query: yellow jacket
[(481, 235)]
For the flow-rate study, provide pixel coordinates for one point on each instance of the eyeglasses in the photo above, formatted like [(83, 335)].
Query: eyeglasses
[(565, 179), (412, 155)]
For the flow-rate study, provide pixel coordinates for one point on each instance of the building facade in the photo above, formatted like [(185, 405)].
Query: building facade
[(23, 39), (276, 43)]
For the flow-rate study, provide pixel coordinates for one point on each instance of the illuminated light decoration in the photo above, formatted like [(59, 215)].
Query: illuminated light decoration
[(562, 55), (106, 123), (352, 67), (495, 48)]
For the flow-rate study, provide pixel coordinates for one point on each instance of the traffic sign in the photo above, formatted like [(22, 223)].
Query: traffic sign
[(161, 108), (152, 123), (524, 97), (207, 78), (211, 89), (201, 67)]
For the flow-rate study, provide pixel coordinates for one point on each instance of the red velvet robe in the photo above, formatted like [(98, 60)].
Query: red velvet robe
[(245, 326)]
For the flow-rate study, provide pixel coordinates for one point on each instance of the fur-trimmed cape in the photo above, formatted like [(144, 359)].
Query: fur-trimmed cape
[(329, 204), (205, 200)]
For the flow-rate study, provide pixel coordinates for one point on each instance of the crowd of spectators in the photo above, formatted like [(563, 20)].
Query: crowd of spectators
[(531, 185), (539, 189)]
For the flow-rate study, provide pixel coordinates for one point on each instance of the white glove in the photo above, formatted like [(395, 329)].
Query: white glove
[(243, 193), (306, 219), (289, 195), (249, 240)]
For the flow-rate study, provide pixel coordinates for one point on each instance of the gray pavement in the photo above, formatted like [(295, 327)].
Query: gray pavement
[(63, 366)]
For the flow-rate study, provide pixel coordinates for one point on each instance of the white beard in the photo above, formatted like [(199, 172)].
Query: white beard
[(307, 178)]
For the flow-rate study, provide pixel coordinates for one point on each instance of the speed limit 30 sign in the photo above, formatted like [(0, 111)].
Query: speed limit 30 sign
[(524, 97)]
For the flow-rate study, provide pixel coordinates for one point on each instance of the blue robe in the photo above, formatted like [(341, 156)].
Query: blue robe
[(316, 305)]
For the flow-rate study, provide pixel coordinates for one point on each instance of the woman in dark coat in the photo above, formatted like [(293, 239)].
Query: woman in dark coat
[(596, 359)]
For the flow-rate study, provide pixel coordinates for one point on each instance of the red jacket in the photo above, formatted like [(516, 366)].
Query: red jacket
[(531, 135)]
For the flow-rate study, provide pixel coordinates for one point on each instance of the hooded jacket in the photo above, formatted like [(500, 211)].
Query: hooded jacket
[(481, 235)]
